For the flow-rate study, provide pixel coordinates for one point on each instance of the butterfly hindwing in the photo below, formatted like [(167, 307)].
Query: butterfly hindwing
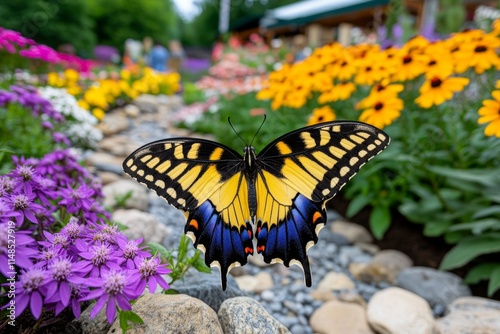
[(206, 180), (299, 172)]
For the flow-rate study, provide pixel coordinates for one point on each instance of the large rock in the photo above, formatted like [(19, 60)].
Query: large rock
[(395, 311), (97, 325), (118, 145), (258, 283), (246, 315), (207, 287), (435, 286), (172, 314), (340, 317), (140, 225), (352, 232), (471, 315), (139, 194), (384, 267), (335, 281)]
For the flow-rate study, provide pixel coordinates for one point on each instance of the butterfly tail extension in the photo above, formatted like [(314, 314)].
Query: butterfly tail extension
[(287, 241), (224, 245)]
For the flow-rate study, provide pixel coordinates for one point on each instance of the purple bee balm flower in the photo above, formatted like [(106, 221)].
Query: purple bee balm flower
[(73, 228), (47, 255), (149, 271), (77, 199), (25, 248), (57, 240), (61, 274), (24, 175), (97, 259), (131, 251), (115, 289), (28, 291)]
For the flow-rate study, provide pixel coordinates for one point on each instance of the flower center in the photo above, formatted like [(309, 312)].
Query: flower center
[(100, 256), (130, 250), (436, 82), (148, 267), (21, 202), (432, 63), (114, 283), (61, 269), (378, 106), (61, 239), (26, 172), (407, 59), (480, 48), (32, 280), (368, 68)]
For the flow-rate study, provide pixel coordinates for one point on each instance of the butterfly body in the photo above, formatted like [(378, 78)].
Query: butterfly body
[(271, 203)]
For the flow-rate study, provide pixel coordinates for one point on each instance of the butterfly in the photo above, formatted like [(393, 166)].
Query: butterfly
[(271, 203)]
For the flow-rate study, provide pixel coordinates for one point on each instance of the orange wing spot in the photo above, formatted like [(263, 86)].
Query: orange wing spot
[(258, 230), (316, 216), (250, 234), (260, 249), (248, 250), (194, 223)]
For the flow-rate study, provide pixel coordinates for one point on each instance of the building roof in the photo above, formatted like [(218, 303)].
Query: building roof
[(305, 11)]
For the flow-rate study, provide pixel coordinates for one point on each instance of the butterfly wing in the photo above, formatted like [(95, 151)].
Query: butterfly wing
[(299, 172), (206, 180)]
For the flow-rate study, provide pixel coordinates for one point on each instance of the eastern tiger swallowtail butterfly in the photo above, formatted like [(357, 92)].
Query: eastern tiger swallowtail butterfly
[(276, 197)]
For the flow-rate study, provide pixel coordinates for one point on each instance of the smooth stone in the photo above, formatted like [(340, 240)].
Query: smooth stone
[(246, 315), (207, 287), (384, 267), (299, 329), (338, 239), (147, 103), (435, 286), (351, 231), (471, 315), (258, 260), (368, 247), (108, 177), (113, 123), (131, 110), (172, 314), (84, 324), (335, 281), (394, 311), (116, 145), (105, 162), (340, 317), (258, 283), (351, 297), (140, 225), (139, 194), (267, 295)]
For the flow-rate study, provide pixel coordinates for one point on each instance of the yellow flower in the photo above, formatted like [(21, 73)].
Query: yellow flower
[(54, 80), (71, 75), (369, 72), (498, 84), (384, 111), (490, 113), (409, 65), (479, 53), (74, 90), (98, 113), (341, 91), (379, 92), (321, 115), (125, 74), (437, 90), (83, 104)]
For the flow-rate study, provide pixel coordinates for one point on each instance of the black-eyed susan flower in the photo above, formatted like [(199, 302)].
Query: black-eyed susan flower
[(378, 92), (384, 111), (478, 53), (410, 65), (321, 115), (341, 91), (437, 90), (490, 113)]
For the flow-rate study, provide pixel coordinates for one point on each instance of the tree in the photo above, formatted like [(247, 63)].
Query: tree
[(51, 22), (117, 20)]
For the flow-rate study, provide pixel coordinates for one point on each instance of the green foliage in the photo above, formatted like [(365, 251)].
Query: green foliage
[(181, 259), (117, 20), (32, 140), (121, 200), (126, 317), (51, 22), (192, 94), (450, 17)]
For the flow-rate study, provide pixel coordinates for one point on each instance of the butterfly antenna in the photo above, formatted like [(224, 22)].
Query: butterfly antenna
[(260, 127), (232, 127)]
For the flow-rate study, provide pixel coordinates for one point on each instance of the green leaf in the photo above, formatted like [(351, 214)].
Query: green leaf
[(488, 211), (480, 272), (436, 228), (478, 226), (357, 204), (170, 292), (470, 248), (380, 220), (160, 249), (199, 264), (494, 284), (134, 317)]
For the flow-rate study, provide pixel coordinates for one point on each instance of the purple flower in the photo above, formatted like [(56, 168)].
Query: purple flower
[(60, 138), (149, 271), (131, 250), (28, 291), (97, 259), (61, 274), (77, 199), (73, 228), (6, 186), (25, 250), (23, 205), (114, 288)]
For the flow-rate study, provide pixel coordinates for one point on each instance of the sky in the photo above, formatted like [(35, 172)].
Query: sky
[(187, 8)]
